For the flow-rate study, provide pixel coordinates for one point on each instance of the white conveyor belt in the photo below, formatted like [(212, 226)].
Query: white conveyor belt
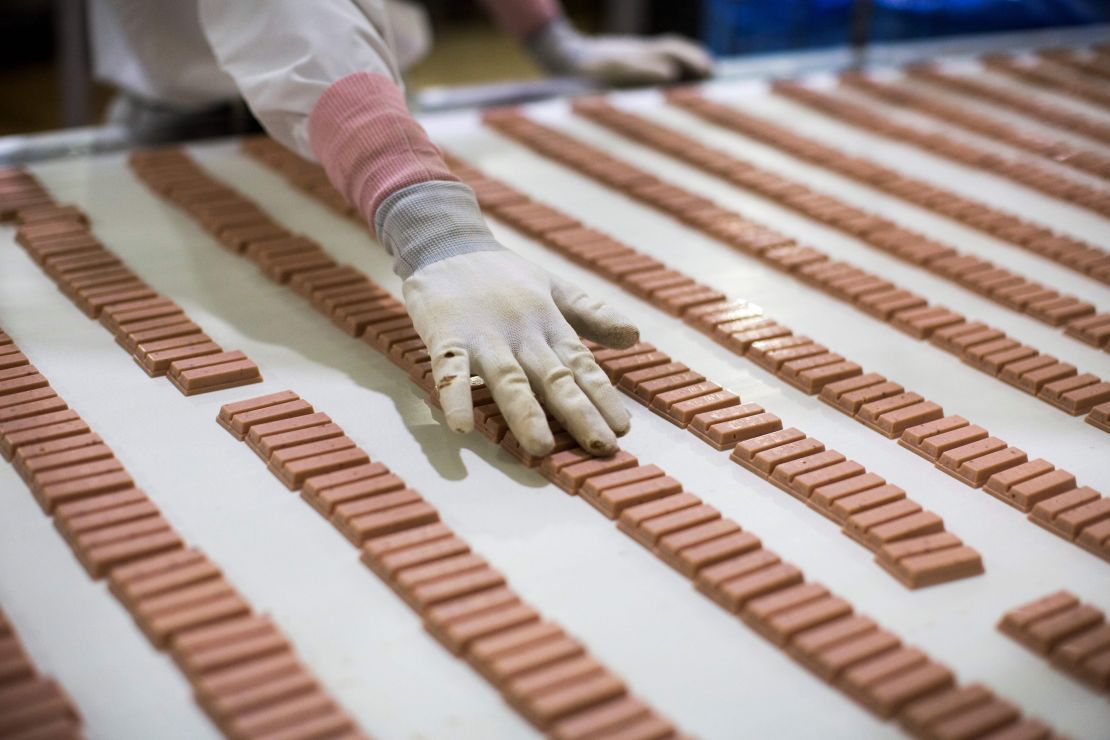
[(695, 663)]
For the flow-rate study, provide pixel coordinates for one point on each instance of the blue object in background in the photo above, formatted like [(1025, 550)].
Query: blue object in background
[(732, 27)]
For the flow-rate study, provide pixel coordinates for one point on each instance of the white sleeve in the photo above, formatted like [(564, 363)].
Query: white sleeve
[(283, 54)]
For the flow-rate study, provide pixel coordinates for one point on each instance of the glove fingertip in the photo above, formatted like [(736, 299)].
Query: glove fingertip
[(460, 423), (535, 437), (617, 335), (602, 447), (538, 447), (623, 425)]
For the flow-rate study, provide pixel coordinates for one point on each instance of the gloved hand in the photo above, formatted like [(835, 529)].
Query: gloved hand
[(617, 60), (482, 309)]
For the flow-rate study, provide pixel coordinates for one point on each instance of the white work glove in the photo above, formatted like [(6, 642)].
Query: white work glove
[(617, 60), (482, 309)]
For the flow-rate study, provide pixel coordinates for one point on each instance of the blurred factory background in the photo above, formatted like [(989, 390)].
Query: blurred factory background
[(47, 84)]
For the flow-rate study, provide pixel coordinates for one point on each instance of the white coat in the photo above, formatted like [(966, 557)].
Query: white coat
[(280, 55)]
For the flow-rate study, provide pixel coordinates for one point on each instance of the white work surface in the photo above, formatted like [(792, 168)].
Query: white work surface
[(694, 662)]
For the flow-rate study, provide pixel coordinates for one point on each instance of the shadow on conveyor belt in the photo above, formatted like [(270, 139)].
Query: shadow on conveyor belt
[(317, 341)]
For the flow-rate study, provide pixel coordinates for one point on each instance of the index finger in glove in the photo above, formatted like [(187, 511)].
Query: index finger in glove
[(565, 399), (513, 393), (594, 383), (692, 57), (641, 69), (451, 372)]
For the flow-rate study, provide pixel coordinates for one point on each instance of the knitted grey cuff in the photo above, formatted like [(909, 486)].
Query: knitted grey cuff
[(557, 47), (431, 221)]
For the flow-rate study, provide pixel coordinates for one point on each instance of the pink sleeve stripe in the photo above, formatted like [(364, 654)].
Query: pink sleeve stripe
[(363, 134), (522, 18)]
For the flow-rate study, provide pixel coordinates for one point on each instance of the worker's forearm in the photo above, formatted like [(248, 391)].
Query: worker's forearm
[(523, 18), (321, 78), (362, 132), (284, 54)]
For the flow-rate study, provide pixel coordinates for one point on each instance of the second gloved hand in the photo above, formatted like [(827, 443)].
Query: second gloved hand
[(482, 309), (618, 60)]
